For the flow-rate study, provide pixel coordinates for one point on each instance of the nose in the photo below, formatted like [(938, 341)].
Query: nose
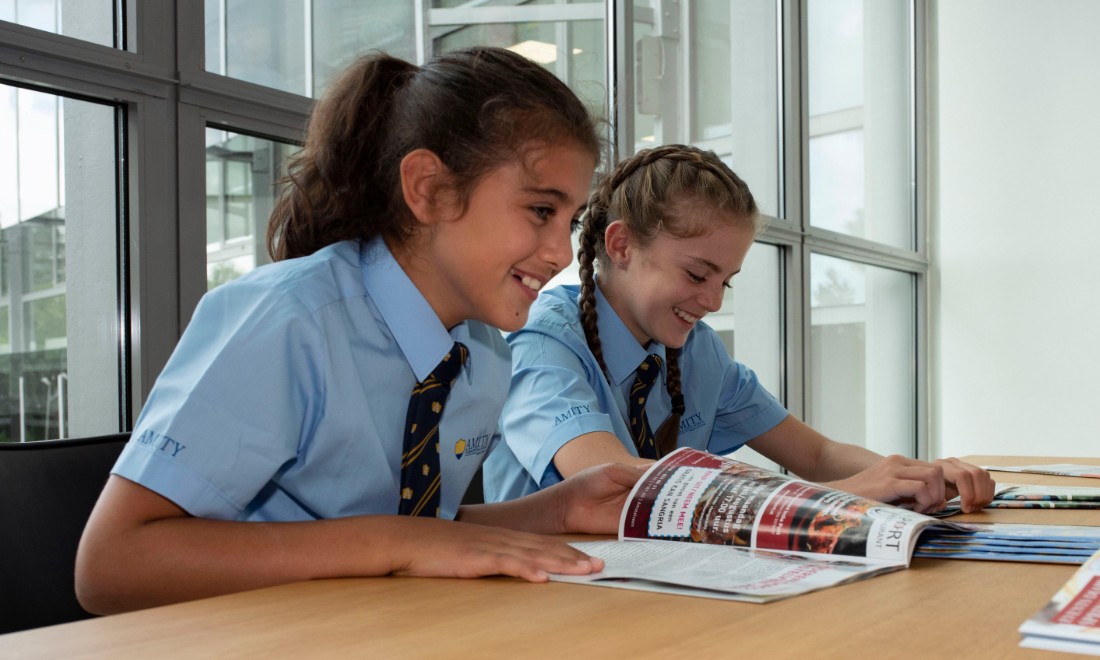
[(557, 248), (711, 297)]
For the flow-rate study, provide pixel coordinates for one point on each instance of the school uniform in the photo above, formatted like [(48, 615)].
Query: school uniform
[(559, 392), (287, 395)]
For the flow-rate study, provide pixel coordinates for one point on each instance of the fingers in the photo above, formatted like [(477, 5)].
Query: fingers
[(974, 485), (919, 482)]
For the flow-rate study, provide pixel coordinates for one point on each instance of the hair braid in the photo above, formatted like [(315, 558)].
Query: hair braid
[(669, 432)]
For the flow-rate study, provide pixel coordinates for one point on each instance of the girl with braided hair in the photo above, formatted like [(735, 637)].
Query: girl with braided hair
[(598, 367)]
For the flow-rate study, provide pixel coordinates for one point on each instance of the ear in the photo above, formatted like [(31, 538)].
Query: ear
[(616, 239), (423, 177)]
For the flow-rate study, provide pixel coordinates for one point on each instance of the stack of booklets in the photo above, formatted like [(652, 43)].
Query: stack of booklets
[(1061, 469), (1070, 622), (1011, 496), (706, 525), (1057, 544)]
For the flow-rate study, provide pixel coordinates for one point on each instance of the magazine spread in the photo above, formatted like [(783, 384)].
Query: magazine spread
[(1071, 620), (713, 526)]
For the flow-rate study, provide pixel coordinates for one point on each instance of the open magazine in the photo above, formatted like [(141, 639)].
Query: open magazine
[(1071, 620), (706, 525)]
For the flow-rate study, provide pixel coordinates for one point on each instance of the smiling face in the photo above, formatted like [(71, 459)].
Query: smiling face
[(660, 290), (488, 261)]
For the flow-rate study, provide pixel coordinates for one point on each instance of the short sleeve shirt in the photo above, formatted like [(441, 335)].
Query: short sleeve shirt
[(286, 397), (559, 393)]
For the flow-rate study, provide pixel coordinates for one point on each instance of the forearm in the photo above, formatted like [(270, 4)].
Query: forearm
[(839, 460), (811, 455), (185, 558), (539, 513)]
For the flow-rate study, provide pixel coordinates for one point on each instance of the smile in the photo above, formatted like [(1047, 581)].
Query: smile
[(685, 316), (528, 281)]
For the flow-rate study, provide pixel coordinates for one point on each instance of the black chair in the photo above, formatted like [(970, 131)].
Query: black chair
[(47, 491)]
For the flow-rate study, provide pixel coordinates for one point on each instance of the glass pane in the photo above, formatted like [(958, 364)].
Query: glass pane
[(859, 102), (572, 50), (345, 28), (862, 355), (750, 324), (89, 20), (59, 342), (241, 176), (259, 42), (299, 46), (717, 89)]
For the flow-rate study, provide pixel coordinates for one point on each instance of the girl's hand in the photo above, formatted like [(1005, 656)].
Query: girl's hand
[(974, 486), (429, 547), (592, 500), (902, 481)]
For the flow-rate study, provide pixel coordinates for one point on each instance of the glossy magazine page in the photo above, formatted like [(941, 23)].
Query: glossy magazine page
[(693, 496)]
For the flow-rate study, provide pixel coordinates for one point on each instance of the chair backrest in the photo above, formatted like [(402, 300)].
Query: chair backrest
[(47, 491)]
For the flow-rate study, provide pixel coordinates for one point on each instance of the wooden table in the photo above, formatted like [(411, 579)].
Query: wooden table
[(937, 608)]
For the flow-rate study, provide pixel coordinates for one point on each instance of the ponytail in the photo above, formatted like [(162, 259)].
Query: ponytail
[(338, 182)]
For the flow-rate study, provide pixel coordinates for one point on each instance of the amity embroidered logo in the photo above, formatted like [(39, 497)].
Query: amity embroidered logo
[(692, 422), (472, 447), (161, 443)]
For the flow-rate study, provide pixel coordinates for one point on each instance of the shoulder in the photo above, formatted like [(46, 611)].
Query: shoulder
[(306, 283), (555, 314)]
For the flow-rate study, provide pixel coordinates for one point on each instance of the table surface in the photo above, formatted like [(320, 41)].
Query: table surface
[(938, 607)]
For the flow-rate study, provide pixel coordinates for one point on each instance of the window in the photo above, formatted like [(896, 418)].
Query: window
[(111, 233), (96, 21), (241, 176), (58, 261)]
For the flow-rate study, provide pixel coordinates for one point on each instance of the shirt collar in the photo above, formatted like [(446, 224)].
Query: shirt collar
[(621, 351), (415, 326)]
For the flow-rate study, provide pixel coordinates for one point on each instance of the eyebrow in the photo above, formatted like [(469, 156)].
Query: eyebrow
[(553, 192), (711, 266)]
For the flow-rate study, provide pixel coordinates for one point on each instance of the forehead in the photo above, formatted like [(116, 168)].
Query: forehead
[(721, 244), (557, 169)]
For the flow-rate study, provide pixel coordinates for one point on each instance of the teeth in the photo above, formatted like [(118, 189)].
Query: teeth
[(531, 283), (684, 315)]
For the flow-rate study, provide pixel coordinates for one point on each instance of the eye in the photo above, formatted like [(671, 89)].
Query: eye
[(574, 225), (696, 278), (728, 283), (543, 212)]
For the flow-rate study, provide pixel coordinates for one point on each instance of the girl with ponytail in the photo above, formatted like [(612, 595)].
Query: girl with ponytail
[(322, 416), (622, 368)]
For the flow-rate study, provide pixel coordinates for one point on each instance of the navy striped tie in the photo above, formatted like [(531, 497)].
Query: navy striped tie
[(640, 431), (420, 471)]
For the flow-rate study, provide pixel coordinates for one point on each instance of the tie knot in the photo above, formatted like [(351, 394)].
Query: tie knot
[(650, 367), (447, 370)]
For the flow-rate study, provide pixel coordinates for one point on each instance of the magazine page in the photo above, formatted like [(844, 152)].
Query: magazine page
[(1071, 620), (714, 571), (693, 496)]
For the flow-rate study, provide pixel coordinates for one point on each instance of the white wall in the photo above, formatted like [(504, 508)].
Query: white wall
[(1015, 227)]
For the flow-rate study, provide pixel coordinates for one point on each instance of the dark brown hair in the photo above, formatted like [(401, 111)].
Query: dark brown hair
[(651, 192), (475, 108)]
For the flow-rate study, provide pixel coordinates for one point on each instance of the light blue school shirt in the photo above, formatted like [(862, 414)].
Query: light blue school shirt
[(286, 397), (559, 392)]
